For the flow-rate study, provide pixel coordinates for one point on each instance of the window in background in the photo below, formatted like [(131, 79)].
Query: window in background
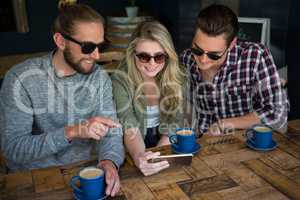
[(255, 30), (7, 22), (13, 16)]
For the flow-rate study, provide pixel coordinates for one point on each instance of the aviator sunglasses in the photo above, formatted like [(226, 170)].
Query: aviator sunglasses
[(159, 58), (210, 55), (88, 47)]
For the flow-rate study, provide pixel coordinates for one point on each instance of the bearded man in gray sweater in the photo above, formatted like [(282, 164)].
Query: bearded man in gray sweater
[(54, 107)]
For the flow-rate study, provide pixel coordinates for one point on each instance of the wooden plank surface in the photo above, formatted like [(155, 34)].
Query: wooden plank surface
[(50, 195), (136, 189), (207, 196), (228, 145), (207, 185), (235, 193), (285, 185), (19, 179), (199, 169), (283, 159), (293, 174), (290, 147), (48, 179), (246, 179), (264, 193), (168, 176), (296, 139), (16, 185), (224, 169), (207, 150), (170, 192), (224, 161)]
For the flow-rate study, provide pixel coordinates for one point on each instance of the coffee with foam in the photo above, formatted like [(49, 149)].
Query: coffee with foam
[(262, 129), (90, 173), (184, 132)]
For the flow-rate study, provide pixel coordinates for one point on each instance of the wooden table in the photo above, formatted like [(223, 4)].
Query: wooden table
[(223, 169)]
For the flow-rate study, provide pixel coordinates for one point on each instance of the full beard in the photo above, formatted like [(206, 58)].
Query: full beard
[(76, 65)]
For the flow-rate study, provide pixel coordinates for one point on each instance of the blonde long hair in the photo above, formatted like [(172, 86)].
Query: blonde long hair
[(170, 78)]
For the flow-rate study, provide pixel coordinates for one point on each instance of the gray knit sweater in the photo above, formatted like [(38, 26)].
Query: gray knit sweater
[(35, 106)]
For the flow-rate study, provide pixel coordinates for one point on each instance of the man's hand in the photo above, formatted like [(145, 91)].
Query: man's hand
[(214, 130), (111, 177), (225, 126), (147, 168), (95, 127)]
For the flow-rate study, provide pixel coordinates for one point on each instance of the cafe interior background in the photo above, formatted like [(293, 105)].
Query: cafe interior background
[(25, 29)]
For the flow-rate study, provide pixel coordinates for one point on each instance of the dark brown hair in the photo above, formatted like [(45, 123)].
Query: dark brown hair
[(218, 19), (70, 14)]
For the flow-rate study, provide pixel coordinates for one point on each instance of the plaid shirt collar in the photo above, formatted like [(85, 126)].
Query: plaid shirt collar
[(231, 58)]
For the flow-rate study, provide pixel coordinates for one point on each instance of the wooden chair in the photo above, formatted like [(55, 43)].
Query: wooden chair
[(6, 62), (111, 56), (111, 59), (3, 166), (294, 126)]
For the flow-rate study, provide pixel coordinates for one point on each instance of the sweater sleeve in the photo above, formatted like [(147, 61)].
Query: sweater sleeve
[(18, 142), (111, 146)]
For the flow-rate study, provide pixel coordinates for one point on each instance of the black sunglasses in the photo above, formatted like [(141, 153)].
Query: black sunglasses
[(159, 58), (89, 47), (212, 56)]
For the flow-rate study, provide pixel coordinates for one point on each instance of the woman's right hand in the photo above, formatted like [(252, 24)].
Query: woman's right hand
[(148, 168)]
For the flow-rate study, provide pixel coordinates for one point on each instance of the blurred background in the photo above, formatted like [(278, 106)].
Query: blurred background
[(25, 28)]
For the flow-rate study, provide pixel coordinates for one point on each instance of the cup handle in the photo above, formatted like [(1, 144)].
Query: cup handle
[(74, 180), (172, 137), (249, 135)]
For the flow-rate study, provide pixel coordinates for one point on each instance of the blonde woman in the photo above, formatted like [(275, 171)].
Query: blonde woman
[(148, 92)]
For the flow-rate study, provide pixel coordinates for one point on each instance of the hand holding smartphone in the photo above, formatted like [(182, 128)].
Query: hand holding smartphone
[(175, 159)]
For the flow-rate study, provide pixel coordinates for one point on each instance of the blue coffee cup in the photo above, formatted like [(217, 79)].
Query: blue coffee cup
[(260, 136), (184, 139), (92, 184)]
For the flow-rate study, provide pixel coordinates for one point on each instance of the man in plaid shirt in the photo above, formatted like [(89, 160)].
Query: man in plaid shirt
[(233, 85)]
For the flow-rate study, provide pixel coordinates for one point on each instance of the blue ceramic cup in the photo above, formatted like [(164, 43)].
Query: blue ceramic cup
[(260, 136), (184, 139), (92, 184)]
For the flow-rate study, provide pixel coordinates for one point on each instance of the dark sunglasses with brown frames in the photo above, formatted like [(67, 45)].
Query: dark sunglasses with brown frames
[(144, 57)]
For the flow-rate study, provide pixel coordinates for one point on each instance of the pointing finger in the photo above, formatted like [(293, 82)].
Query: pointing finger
[(108, 122)]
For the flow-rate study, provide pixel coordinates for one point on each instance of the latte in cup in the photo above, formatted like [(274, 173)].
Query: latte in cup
[(184, 132), (90, 173), (262, 129)]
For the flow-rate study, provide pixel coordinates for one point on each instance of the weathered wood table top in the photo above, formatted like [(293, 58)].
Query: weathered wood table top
[(224, 168)]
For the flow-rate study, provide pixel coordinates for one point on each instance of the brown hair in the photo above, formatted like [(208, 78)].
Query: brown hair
[(218, 19), (70, 14)]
